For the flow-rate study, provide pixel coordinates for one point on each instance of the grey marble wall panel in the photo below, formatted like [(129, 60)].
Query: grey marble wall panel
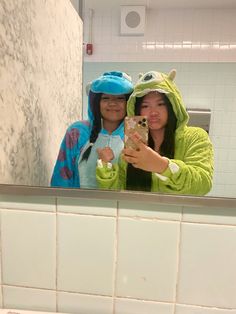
[(40, 85)]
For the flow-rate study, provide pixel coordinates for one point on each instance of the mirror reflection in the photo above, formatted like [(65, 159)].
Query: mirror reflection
[(41, 75), (169, 157)]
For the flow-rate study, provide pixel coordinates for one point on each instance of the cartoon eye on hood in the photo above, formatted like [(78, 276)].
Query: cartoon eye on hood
[(150, 76), (154, 81)]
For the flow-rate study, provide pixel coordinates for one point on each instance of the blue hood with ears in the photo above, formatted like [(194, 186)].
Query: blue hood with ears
[(113, 83)]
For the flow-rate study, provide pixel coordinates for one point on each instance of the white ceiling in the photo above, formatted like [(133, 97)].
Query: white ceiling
[(163, 4)]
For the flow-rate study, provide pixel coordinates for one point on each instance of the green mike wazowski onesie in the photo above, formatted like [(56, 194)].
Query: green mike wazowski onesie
[(191, 169)]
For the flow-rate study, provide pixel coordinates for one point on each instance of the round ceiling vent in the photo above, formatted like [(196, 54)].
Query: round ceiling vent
[(132, 20)]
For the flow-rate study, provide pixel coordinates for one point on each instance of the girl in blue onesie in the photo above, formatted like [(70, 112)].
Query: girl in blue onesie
[(77, 158)]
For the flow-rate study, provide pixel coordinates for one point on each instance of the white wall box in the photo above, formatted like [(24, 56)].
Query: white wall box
[(132, 20)]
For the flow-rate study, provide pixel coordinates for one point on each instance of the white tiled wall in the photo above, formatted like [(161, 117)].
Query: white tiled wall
[(207, 257), (116, 257), (171, 35), (29, 298), (32, 232), (89, 267)]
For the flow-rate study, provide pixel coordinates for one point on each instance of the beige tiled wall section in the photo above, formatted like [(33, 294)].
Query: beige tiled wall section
[(116, 257)]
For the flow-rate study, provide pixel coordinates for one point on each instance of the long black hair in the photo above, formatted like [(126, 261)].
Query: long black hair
[(95, 99), (141, 180)]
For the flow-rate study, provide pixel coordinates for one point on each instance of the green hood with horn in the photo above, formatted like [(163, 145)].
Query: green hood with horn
[(162, 83)]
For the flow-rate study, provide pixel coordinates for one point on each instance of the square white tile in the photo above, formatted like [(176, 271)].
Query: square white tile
[(207, 265), (150, 210), (191, 309), (86, 248), (1, 304), (84, 304), (129, 306), (0, 255), (35, 203), (85, 206), (147, 259), (29, 299), (211, 215), (28, 249)]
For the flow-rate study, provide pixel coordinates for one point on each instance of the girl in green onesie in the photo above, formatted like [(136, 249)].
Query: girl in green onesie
[(178, 158)]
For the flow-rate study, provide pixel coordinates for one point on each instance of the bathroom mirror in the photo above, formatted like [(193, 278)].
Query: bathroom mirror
[(41, 73)]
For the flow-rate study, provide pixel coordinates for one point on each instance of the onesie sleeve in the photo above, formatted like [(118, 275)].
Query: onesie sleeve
[(111, 176), (65, 173), (107, 175), (193, 173)]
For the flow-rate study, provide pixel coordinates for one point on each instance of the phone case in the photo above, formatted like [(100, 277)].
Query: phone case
[(136, 125)]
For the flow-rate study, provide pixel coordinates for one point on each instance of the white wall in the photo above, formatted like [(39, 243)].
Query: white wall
[(40, 85), (116, 257)]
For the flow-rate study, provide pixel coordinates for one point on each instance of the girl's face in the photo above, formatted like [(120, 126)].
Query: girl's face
[(153, 106), (113, 107)]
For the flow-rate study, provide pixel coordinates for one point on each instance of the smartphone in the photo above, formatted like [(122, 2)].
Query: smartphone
[(137, 126)]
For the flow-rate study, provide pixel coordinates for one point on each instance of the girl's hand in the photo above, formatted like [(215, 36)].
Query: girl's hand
[(105, 154), (145, 158)]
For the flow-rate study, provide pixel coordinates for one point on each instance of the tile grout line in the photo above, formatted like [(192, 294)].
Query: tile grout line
[(1, 258), (56, 255), (178, 260), (115, 258)]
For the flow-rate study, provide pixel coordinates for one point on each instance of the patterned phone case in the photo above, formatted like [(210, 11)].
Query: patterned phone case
[(138, 126)]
